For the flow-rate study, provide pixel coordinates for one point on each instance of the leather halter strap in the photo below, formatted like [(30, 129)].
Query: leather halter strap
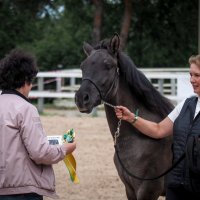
[(90, 80), (97, 88)]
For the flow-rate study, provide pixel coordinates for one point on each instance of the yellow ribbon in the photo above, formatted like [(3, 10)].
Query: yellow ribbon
[(70, 163), (69, 159)]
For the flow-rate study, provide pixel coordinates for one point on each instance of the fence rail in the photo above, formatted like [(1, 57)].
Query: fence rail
[(171, 82)]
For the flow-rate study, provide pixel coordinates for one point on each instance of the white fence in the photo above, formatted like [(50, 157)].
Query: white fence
[(173, 83)]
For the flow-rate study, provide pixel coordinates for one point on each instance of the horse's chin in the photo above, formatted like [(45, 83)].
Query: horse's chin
[(85, 110), (88, 107)]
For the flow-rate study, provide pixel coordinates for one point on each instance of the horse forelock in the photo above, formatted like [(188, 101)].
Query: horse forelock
[(104, 44), (142, 88)]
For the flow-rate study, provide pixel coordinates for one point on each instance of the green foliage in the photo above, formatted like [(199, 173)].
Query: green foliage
[(14, 27), (113, 14), (161, 33), (61, 39)]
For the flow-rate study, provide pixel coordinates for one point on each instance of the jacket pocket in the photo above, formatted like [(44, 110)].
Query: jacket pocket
[(48, 177)]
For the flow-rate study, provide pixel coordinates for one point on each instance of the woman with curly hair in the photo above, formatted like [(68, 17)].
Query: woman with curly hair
[(26, 157)]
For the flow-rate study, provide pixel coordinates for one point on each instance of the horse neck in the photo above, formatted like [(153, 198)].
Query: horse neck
[(123, 97)]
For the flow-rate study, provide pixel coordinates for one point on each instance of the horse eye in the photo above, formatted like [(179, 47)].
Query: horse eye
[(108, 64)]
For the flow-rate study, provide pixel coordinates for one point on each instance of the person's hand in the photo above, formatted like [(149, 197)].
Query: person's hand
[(124, 113), (70, 147)]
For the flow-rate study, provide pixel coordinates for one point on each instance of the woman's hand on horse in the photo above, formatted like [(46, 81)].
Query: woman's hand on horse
[(124, 113)]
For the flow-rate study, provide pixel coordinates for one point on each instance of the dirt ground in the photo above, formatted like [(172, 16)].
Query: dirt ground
[(94, 155)]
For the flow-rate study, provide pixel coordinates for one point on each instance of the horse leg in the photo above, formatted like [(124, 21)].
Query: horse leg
[(130, 193), (150, 191)]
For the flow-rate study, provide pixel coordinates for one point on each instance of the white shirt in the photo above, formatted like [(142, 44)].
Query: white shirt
[(174, 114)]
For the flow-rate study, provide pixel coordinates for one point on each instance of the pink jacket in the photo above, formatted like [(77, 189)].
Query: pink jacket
[(25, 154)]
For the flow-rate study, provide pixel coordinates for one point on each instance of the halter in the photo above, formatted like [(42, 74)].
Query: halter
[(117, 133), (103, 98)]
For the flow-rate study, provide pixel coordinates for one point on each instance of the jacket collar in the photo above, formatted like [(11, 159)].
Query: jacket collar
[(12, 91)]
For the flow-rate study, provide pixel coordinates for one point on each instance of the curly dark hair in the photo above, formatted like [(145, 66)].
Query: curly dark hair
[(17, 68)]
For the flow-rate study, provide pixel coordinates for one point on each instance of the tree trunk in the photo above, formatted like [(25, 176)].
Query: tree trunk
[(96, 33), (126, 22)]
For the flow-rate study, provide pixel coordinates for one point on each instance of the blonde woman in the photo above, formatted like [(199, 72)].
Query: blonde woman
[(183, 120)]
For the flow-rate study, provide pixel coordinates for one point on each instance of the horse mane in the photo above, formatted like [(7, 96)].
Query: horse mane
[(141, 87)]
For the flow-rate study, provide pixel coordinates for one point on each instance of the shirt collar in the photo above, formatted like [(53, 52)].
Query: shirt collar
[(12, 91)]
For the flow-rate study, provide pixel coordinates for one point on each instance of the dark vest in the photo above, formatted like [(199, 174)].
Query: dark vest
[(184, 124)]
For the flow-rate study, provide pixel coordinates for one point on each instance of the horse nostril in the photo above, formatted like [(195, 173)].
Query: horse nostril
[(85, 98)]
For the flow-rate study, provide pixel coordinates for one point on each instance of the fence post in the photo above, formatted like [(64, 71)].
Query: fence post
[(173, 86), (58, 84), (40, 99), (160, 86)]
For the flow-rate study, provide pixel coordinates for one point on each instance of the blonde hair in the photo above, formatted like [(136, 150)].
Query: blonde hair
[(195, 59)]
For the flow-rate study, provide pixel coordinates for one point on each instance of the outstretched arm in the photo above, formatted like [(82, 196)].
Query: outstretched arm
[(149, 128)]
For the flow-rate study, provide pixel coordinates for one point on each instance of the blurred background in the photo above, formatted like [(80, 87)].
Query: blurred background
[(154, 33)]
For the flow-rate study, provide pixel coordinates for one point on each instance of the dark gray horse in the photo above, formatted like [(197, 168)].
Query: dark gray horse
[(111, 76)]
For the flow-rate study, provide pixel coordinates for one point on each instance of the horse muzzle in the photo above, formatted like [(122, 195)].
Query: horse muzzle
[(86, 101)]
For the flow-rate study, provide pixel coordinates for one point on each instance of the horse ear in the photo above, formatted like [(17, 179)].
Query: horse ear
[(114, 43), (87, 48)]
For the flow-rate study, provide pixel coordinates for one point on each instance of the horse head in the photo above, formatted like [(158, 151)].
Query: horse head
[(99, 74)]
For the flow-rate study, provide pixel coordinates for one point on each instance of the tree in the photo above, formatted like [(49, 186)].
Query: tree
[(162, 35), (97, 24), (18, 22), (126, 22), (156, 33)]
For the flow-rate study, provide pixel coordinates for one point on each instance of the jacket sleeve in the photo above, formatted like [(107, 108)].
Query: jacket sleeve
[(35, 139)]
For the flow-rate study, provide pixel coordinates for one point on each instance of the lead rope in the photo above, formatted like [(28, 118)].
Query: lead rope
[(116, 135), (117, 132)]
